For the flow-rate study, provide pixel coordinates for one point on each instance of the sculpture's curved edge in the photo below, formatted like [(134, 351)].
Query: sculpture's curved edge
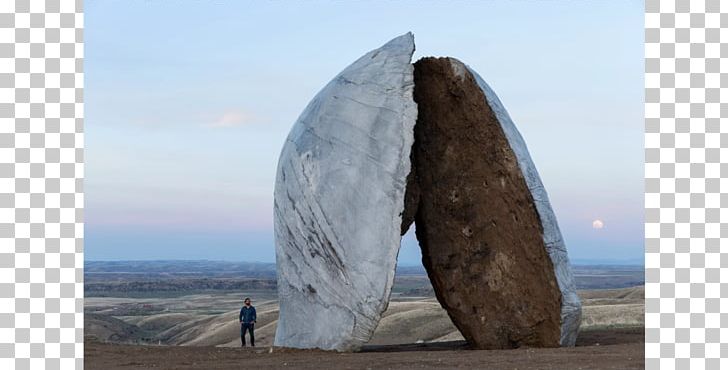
[(409, 119), (331, 320), (570, 303)]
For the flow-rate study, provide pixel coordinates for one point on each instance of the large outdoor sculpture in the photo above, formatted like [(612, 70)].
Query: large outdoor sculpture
[(387, 143)]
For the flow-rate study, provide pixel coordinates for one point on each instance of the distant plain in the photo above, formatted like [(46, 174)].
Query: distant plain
[(195, 304)]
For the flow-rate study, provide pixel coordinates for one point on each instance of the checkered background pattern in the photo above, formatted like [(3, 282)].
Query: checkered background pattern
[(686, 154), (41, 184)]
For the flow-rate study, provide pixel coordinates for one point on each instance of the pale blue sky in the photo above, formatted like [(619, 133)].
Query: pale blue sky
[(188, 104)]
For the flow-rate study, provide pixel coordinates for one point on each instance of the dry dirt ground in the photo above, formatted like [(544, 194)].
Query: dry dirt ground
[(615, 348)]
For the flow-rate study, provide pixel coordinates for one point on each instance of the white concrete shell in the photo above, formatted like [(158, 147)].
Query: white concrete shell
[(339, 195)]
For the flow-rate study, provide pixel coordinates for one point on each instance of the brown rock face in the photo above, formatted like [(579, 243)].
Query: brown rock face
[(475, 218)]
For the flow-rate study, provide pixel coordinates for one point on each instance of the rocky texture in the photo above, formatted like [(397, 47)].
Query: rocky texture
[(552, 239), (339, 196), (476, 223), (489, 239)]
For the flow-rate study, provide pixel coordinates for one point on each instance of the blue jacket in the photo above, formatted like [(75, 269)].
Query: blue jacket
[(247, 314)]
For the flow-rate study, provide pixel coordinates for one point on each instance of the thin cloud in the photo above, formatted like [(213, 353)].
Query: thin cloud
[(232, 119)]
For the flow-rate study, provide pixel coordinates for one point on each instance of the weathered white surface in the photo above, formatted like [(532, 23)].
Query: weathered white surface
[(570, 303), (339, 196)]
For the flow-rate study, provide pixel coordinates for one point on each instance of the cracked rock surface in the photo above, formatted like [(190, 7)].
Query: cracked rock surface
[(338, 199), (552, 239), (476, 219)]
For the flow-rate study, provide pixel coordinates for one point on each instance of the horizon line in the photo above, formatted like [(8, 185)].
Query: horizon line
[(575, 261)]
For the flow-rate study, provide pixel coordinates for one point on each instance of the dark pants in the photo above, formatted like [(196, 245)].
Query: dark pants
[(249, 327)]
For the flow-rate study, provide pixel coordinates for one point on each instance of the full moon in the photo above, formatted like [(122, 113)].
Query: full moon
[(597, 224)]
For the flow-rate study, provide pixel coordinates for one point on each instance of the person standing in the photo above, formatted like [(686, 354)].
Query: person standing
[(247, 321)]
